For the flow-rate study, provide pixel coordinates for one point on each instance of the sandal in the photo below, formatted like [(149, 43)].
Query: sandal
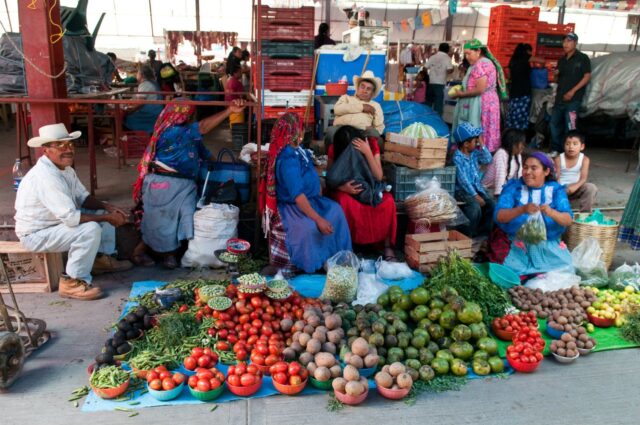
[(390, 256), (170, 262), (142, 260)]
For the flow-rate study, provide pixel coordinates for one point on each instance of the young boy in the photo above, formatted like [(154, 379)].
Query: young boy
[(471, 152), (573, 171)]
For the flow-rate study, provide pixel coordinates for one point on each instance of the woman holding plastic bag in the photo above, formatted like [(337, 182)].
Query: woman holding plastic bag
[(533, 212)]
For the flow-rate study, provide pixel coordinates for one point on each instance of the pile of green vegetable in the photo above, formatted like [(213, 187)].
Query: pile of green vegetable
[(630, 330), (458, 273)]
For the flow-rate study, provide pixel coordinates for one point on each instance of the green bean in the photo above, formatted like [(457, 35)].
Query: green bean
[(124, 409), (134, 414), (133, 403), (109, 377), (75, 404)]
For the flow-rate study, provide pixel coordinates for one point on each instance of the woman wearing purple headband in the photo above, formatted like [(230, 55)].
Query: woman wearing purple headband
[(536, 191)]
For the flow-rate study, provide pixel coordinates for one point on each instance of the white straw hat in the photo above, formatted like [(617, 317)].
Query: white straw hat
[(370, 77), (52, 133)]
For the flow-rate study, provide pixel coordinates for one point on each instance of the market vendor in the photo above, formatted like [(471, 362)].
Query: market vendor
[(142, 117), (304, 228), (167, 176), (536, 192), (359, 110), (55, 213)]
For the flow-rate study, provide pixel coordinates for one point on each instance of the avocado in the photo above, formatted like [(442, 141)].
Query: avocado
[(141, 312), (104, 358), (123, 348), (131, 318)]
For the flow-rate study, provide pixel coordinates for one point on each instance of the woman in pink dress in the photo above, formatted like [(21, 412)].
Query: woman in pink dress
[(482, 89)]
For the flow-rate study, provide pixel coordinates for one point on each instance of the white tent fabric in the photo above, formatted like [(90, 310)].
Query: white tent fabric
[(614, 84)]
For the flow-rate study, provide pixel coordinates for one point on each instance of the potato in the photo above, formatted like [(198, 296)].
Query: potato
[(313, 346), (329, 347), (404, 381), (305, 358), (339, 385), (333, 321), (298, 326), (286, 325), (303, 339), (360, 346), (334, 336), (354, 388), (383, 379), (364, 383), (347, 356), (308, 329), (396, 369), (296, 336), (311, 367), (314, 321), (350, 373), (320, 336), (325, 359), (386, 368), (322, 374), (289, 354), (335, 370), (296, 346), (371, 360), (356, 361)]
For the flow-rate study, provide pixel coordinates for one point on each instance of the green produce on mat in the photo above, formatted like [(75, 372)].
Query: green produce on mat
[(108, 377)]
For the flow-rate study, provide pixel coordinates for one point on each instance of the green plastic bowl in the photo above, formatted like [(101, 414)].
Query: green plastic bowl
[(503, 276), (208, 395), (482, 268), (321, 385)]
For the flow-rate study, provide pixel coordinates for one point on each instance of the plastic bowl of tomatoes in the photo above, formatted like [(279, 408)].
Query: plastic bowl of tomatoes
[(289, 378), (199, 358), (244, 380), (524, 357), (164, 385), (507, 326), (206, 384)]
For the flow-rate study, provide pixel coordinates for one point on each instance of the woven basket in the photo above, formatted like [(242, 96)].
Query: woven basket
[(605, 235)]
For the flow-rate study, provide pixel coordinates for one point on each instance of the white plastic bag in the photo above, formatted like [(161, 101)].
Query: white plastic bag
[(213, 225), (534, 230), (587, 259), (342, 278), (392, 270), (554, 280), (369, 289), (433, 204)]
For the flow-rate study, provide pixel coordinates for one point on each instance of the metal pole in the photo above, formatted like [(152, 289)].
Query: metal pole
[(151, 18), (561, 11), (8, 16), (198, 38)]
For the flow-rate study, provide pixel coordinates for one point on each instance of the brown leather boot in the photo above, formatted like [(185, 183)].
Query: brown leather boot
[(108, 264), (77, 289)]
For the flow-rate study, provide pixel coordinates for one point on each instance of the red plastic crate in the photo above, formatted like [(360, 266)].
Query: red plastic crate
[(547, 28), (516, 12), (300, 14), (133, 143), (287, 82), (274, 113), (505, 23), (287, 30), (549, 52), (512, 36), (299, 67)]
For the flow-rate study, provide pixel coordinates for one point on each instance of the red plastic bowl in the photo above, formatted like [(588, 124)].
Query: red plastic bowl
[(601, 323), (523, 367), (263, 369), (109, 393), (502, 334), (238, 246), (139, 373), (351, 400), (393, 394), (290, 389), (245, 391)]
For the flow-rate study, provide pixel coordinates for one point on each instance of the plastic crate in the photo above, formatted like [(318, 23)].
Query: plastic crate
[(134, 143), (531, 13), (403, 179), (276, 66), (300, 14), (287, 82), (499, 22), (562, 29), (275, 113), (285, 98), (550, 52), (289, 30), (240, 136), (275, 49), (511, 36)]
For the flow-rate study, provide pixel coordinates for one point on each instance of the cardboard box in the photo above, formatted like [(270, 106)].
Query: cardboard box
[(28, 271), (423, 250)]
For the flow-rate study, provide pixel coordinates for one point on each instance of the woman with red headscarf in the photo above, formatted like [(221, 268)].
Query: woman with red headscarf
[(167, 175), (304, 227)]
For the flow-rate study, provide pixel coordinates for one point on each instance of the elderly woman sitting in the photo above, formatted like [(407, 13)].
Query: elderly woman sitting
[(536, 192), (143, 117), (304, 228)]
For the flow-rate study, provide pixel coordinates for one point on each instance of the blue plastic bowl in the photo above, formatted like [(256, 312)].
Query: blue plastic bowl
[(503, 276), (183, 370), (482, 268), (365, 372), (553, 333), (166, 395)]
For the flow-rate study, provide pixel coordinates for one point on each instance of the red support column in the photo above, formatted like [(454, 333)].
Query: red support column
[(38, 32)]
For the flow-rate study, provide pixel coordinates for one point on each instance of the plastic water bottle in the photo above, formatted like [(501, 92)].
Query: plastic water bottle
[(18, 174)]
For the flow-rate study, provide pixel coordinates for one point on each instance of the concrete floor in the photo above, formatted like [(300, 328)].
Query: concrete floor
[(600, 388)]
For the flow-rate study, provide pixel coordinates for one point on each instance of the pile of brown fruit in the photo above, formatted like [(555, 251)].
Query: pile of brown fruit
[(545, 303), (566, 320)]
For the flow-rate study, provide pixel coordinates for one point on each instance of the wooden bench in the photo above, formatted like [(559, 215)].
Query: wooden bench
[(29, 271)]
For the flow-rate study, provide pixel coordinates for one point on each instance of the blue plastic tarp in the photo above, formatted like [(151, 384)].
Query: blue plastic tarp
[(399, 114)]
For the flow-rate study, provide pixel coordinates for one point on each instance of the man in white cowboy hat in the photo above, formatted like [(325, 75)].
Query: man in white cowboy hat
[(359, 110), (52, 215)]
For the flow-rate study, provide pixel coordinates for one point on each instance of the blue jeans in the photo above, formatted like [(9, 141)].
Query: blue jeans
[(435, 97), (563, 119), (480, 218)]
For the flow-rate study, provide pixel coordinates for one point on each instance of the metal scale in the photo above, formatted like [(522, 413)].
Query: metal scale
[(19, 336)]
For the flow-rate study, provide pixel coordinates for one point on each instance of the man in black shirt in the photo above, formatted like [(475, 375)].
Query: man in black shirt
[(574, 73)]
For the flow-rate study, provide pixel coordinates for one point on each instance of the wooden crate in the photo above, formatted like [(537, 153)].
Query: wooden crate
[(418, 153), (423, 250), (29, 271)]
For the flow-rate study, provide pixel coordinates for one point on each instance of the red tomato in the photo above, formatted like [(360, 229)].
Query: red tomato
[(259, 359), (266, 330), (280, 378), (204, 361), (164, 375), (242, 335), (222, 346), (193, 381), (294, 368), (247, 379), (222, 333), (281, 367), (233, 380), (295, 380), (160, 369), (232, 339), (156, 384), (271, 359), (151, 375), (304, 374), (252, 339), (168, 384), (262, 349), (256, 302), (178, 378), (205, 374), (203, 385), (252, 369), (196, 352), (241, 354), (190, 363), (539, 356), (215, 383), (241, 368)]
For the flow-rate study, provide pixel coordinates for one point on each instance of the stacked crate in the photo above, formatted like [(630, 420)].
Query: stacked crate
[(287, 36), (549, 43), (510, 26)]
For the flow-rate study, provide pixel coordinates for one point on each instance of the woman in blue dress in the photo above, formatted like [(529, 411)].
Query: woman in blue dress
[(536, 191), (304, 228)]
